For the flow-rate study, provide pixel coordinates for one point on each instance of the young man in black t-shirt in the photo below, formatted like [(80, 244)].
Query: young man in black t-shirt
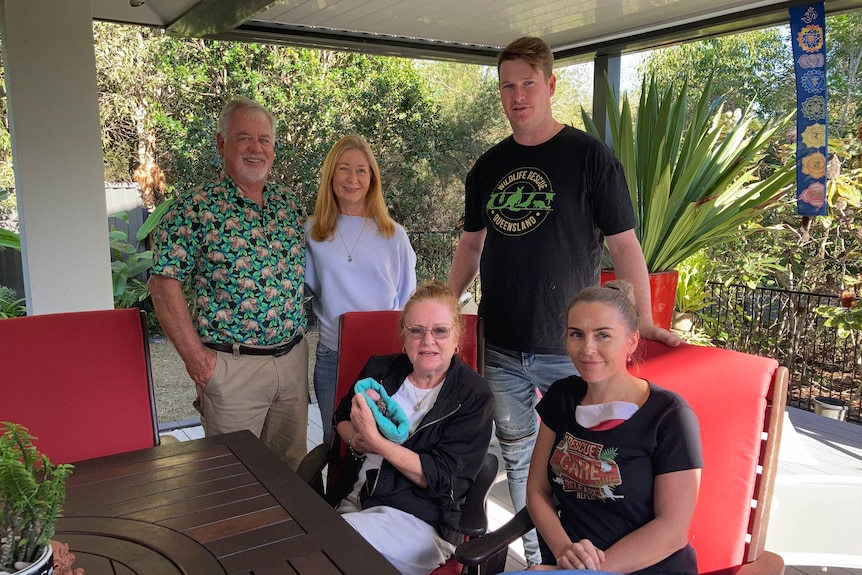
[(539, 206)]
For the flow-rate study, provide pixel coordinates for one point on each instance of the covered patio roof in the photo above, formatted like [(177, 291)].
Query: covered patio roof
[(52, 95), (465, 31)]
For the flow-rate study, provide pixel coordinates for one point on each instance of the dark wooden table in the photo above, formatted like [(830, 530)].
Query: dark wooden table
[(222, 504)]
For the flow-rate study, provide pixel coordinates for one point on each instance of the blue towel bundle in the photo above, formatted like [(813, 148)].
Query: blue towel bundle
[(391, 419)]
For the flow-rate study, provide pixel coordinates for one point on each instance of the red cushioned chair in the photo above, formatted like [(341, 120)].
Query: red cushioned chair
[(81, 382), (366, 333), (739, 400)]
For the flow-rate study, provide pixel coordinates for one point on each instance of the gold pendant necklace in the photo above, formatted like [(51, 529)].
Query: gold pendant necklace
[(419, 400), (356, 243)]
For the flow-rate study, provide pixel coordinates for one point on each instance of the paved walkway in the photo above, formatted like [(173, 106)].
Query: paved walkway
[(819, 491)]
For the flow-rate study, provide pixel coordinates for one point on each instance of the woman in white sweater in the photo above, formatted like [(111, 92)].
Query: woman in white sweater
[(357, 258)]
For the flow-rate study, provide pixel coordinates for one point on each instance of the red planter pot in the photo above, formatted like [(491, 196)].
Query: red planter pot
[(662, 293)]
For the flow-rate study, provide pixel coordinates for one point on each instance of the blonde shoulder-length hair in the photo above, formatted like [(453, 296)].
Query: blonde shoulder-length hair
[(326, 208)]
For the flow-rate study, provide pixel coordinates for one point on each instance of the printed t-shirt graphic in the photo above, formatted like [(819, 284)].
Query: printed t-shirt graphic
[(586, 468), (520, 202)]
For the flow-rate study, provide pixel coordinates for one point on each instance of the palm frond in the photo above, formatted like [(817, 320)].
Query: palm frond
[(693, 180)]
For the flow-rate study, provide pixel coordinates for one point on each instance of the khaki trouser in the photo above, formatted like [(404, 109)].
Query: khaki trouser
[(264, 394)]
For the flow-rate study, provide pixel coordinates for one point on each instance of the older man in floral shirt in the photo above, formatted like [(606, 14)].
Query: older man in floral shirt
[(238, 242)]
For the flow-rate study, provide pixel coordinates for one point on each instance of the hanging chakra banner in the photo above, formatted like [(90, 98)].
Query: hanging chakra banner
[(808, 33)]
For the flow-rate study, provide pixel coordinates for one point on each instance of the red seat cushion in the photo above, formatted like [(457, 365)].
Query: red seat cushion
[(727, 391), (79, 381)]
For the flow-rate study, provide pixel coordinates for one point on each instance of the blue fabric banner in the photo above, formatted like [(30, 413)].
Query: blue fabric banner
[(808, 36)]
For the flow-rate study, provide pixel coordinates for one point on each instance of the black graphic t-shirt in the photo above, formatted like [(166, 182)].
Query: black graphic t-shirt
[(604, 480), (547, 209)]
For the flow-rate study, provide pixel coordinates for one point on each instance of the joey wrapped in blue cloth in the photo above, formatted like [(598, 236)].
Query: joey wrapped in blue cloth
[(391, 419)]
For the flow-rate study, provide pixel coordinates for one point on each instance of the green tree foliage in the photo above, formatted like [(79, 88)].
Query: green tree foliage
[(844, 46), (471, 120), (7, 177), (754, 68), (131, 94), (574, 91), (425, 121), (809, 254)]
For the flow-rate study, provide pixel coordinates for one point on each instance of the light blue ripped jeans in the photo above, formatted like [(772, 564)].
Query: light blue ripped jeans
[(514, 378)]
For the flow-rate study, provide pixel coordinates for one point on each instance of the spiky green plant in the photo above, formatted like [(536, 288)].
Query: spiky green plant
[(32, 492), (693, 181)]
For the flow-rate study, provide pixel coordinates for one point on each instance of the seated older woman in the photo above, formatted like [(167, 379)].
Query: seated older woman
[(406, 498)]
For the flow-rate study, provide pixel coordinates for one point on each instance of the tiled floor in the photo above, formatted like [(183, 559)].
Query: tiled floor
[(828, 447), (818, 500), (818, 457)]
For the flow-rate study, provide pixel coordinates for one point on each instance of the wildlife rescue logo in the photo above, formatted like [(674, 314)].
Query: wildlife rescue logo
[(586, 468), (520, 202)]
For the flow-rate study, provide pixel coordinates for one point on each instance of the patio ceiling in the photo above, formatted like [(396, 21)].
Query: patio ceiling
[(459, 30)]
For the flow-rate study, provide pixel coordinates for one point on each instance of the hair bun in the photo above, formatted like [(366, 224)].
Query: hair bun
[(624, 287)]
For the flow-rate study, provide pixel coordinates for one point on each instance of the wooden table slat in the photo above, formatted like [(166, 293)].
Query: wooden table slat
[(142, 547), (281, 568), (193, 470), (222, 504), (311, 511), (209, 508), (147, 461), (265, 535), (159, 493), (134, 559), (99, 563), (264, 556), (315, 563), (237, 525)]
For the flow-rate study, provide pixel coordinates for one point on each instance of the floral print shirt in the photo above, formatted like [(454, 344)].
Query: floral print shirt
[(246, 264)]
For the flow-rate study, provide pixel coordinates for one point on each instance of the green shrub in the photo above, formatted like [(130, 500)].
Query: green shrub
[(10, 304)]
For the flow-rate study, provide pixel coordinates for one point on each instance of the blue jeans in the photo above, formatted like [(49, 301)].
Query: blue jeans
[(514, 378), (325, 372)]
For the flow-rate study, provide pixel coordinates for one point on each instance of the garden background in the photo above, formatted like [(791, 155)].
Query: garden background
[(428, 121)]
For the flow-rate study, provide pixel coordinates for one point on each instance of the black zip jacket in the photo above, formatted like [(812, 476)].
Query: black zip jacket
[(451, 441)]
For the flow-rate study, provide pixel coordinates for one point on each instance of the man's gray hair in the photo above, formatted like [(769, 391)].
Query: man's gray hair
[(249, 108)]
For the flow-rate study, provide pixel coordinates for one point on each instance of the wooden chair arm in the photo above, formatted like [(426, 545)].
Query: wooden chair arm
[(767, 563), (482, 549)]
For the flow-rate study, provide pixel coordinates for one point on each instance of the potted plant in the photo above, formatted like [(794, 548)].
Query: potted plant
[(32, 491), (692, 174)]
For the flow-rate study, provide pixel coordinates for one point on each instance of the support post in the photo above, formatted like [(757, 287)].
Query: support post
[(604, 65)]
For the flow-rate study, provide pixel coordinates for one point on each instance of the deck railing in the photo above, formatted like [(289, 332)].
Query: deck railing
[(783, 324)]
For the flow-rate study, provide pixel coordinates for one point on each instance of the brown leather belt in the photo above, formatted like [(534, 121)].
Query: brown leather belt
[(276, 351)]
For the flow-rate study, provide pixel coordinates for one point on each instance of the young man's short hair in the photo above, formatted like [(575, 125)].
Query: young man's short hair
[(534, 51)]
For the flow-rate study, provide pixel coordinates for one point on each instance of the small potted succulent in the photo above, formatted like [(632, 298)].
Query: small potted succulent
[(32, 492)]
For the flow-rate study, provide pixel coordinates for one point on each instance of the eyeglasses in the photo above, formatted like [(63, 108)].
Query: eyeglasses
[(419, 331)]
